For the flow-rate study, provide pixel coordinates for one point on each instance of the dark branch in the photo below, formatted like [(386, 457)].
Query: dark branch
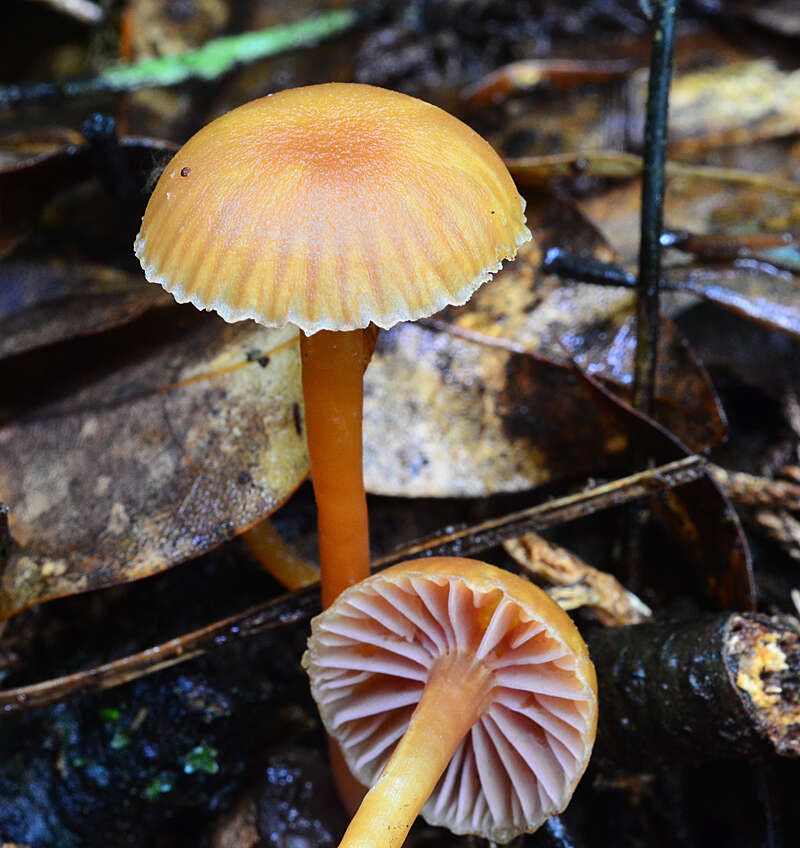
[(715, 687), (655, 143)]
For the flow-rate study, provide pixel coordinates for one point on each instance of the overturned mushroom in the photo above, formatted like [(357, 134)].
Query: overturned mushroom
[(458, 689), (332, 207)]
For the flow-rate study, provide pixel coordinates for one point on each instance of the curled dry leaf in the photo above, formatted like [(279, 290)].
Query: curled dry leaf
[(522, 76), (486, 400), (576, 583), (41, 304), (156, 461), (750, 490)]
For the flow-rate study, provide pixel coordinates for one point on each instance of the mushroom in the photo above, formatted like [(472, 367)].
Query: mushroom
[(333, 207), (483, 679)]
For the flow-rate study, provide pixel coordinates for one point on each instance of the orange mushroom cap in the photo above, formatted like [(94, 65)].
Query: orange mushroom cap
[(330, 207), (370, 655)]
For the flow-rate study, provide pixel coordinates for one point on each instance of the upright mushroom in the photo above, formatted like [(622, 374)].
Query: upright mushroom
[(332, 207), (483, 679)]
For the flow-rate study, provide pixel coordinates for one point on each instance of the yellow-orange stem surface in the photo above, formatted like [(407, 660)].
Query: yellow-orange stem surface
[(333, 369), (453, 700)]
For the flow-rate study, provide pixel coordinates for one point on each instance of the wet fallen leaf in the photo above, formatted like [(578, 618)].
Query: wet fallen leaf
[(153, 462), (30, 181), (41, 304), (18, 147), (716, 559), (751, 286), (756, 290), (561, 168), (485, 400), (597, 115)]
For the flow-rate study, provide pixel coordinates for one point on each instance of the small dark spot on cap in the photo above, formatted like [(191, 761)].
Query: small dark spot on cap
[(186, 171), (492, 212), (255, 355), (298, 421), (244, 478)]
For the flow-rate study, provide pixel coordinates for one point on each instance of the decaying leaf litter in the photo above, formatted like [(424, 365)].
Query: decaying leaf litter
[(497, 396)]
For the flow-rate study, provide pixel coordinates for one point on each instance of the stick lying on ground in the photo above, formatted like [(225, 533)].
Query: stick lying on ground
[(304, 603), (715, 687)]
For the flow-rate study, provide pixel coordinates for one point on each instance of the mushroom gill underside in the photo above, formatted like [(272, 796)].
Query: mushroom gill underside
[(520, 762)]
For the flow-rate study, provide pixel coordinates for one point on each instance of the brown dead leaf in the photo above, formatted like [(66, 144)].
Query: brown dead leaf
[(519, 77), (486, 400), (738, 103), (715, 562), (18, 147), (44, 303), (154, 461), (156, 29), (610, 115), (33, 175)]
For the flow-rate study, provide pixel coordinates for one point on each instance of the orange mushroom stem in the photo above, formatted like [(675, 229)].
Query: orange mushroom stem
[(453, 700), (279, 560), (333, 388)]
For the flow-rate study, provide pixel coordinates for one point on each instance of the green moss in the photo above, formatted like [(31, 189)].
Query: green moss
[(109, 713), (202, 758), (157, 787), (120, 740)]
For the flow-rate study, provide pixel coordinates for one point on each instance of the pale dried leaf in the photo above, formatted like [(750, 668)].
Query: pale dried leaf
[(576, 583)]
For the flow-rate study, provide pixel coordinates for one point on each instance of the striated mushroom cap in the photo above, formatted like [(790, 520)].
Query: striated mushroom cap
[(369, 656), (330, 207)]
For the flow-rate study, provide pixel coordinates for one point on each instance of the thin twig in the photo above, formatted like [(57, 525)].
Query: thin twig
[(655, 145), (495, 531), (208, 62), (304, 603)]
